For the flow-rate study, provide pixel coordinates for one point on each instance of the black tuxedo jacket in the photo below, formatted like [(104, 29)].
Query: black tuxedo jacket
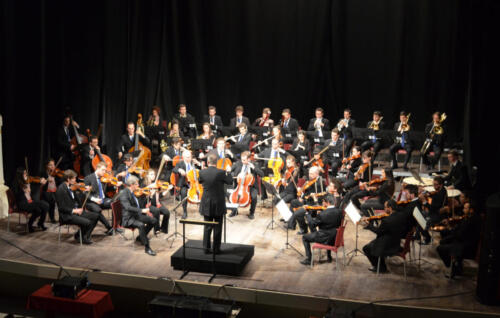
[(389, 234), (347, 131), (130, 208), (236, 169), (126, 143), (406, 133), (438, 140), (63, 143), (325, 128), (458, 176), (334, 151), (66, 203), (233, 124), (244, 144), (328, 221), (91, 180), (217, 120), (213, 200)]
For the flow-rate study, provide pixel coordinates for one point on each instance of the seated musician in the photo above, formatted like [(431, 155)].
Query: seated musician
[(265, 120), (152, 201), (389, 233), (379, 191), (174, 152), (87, 153), (318, 125), (311, 194), (242, 140), (154, 128), (407, 207), (289, 125), (455, 205), (273, 152), (182, 168), (334, 154), (49, 188), (363, 172), (345, 129), (214, 120), (206, 134), (64, 146), (351, 164), (122, 171), (402, 140), (461, 242), (438, 200), (289, 181), (187, 124), (435, 132), (374, 140), (327, 222), (221, 151), (127, 141), (300, 149), (97, 200), (25, 202), (239, 171), (175, 131), (135, 217), (70, 210), (457, 177), (239, 118)]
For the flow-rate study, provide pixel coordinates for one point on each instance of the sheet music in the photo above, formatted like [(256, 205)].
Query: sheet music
[(353, 213), (420, 218), (285, 212)]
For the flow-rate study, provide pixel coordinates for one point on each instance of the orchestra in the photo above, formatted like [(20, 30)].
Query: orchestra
[(315, 171)]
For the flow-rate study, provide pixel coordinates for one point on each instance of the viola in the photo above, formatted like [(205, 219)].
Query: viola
[(195, 190), (306, 186), (311, 208), (109, 178), (57, 173), (318, 163), (376, 217), (405, 202), (32, 179), (241, 195)]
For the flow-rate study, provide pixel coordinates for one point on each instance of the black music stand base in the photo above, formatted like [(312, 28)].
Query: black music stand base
[(355, 251), (270, 188), (176, 233)]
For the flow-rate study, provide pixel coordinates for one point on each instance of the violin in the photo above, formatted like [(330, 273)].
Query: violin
[(32, 179), (311, 208), (405, 202), (376, 217), (80, 186), (307, 185), (361, 171), (137, 170), (109, 178), (142, 191), (353, 157), (373, 182), (195, 190), (57, 173), (316, 195)]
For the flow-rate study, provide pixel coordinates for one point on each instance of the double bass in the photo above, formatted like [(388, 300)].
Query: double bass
[(142, 161), (99, 156)]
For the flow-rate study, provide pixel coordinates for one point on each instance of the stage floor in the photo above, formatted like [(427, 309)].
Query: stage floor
[(272, 267)]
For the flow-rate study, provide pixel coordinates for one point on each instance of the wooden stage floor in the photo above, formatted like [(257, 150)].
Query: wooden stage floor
[(272, 267)]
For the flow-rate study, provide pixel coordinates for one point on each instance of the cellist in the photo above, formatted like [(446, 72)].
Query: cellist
[(182, 168)]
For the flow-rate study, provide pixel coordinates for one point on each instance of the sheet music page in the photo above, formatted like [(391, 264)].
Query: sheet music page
[(285, 212), (353, 213)]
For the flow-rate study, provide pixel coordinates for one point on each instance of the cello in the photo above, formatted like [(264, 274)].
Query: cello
[(241, 195), (145, 153)]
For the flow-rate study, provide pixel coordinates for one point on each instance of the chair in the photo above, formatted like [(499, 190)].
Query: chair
[(422, 161), (61, 224), (13, 209), (339, 242), (116, 208), (301, 182), (402, 253), (287, 147)]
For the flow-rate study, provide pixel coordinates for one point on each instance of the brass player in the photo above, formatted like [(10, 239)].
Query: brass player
[(345, 126), (374, 139), (435, 138), (403, 141)]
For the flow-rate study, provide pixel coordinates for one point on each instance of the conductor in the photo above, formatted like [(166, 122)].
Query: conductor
[(213, 201)]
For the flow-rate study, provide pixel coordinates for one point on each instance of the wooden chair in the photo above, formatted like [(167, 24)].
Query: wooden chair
[(339, 243), (14, 209)]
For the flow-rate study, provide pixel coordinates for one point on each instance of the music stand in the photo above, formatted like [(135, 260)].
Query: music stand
[(271, 189), (354, 214), (286, 214), (176, 233)]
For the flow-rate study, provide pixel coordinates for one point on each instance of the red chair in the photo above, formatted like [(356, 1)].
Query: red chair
[(13, 209), (287, 147), (301, 182), (116, 207), (339, 242), (402, 253)]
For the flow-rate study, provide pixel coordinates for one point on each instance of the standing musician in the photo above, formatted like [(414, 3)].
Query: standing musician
[(175, 131), (174, 152), (49, 188), (327, 223), (135, 217), (88, 152), (70, 210), (239, 118), (155, 130), (436, 135), (289, 125), (389, 234), (241, 141), (345, 129), (213, 201), (334, 154), (308, 194), (152, 201), (461, 242), (64, 146), (182, 168), (97, 200), (289, 181), (402, 140), (375, 139), (457, 177), (318, 125), (239, 170), (186, 121), (22, 191), (127, 140), (214, 120), (265, 120)]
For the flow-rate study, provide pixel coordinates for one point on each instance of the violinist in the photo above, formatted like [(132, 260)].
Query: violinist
[(187, 124), (289, 125), (88, 152), (436, 134), (97, 200), (70, 210), (265, 120), (363, 172), (403, 141), (172, 155), (64, 146), (318, 125), (242, 140), (127, 140), (122, 172), (351, 164), (25, 202), (389, 234), (345, 126), (379, 190), (356, 184), (457, 177), (214, 120), (300, 148), (407, 207), (461, 242), (375, 139), (182, 168), (50, 187), (308, 194), (153, 202), (239, 118), (327, 222), (333, 155), (437, 199), (239, 170), (175, 131), (289, 181)]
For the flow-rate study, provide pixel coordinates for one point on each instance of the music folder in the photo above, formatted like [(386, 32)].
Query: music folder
[(285, 212), (420, 218), (353, 213)]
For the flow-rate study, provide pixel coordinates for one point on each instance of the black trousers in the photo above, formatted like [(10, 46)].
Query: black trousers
[(371, 205), (86, 221), (377, 146), (97, 209), (298, 216), (166, 216), (253, 197), (395, 148), (449, 248), (37, 209), (50, 198), (368, 250), (432, 160), (183, 193), (314, 237), (144, 224), (207, 232)]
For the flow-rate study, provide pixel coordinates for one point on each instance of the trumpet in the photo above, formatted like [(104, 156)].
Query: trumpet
[(342, 123), (317, 124)]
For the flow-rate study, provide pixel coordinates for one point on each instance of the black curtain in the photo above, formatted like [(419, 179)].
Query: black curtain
[(109, 60)]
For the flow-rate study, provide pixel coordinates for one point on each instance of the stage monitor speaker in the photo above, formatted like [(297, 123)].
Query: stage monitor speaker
[(187, 307), (488, 278)]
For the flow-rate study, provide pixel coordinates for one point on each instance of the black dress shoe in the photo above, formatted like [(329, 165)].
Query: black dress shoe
[(110, 231), (329, 259), (207, 250), (31, 229), (119, 230), (405, 168), (306, 261), (87, 242), (233, 213), (251, 216), (149, 251), (394, 167), (53, 221), (42, 227), (184, 215)]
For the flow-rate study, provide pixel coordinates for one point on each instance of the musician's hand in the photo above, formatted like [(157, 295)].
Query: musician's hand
[(78, 211), (72, 147), (97, 200), (98, 148), (91, 152), (182, 172), (120, 154), (87, 188), (348, 166), (146, 210), (202, 155), (451, 187), (251, 165), (364, 220), (43, 181), (166, 157), (228, 169)]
